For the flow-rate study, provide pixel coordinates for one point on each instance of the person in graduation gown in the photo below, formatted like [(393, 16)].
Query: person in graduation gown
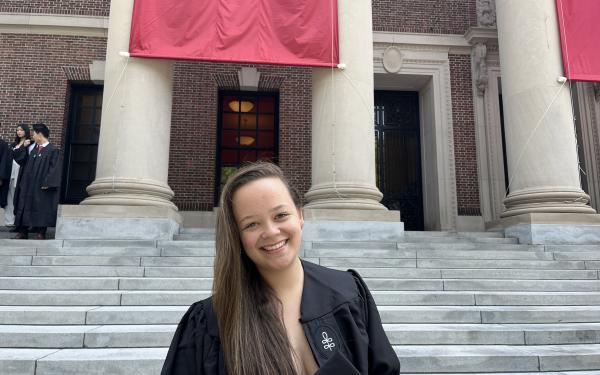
[(5, 168), (271, 313), (37, 199), (22, 141)]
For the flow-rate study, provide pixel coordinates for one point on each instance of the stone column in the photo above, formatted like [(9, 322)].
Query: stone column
[(133, 151), (343, 137), (540, 136), (130, 197)]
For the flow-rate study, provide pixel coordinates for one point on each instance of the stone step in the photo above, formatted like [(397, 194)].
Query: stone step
[(111, 315), (466, 246), (490, 314), (573, 248), (577, 255), (184, 244), (447, 240), (124, 361), (414, 359), (389, 284), (104, 298), (21, 361), (427, 254), (109, 243), (101, 251), (497, 358), (364, 262), (438, 234), (432, 298), (194, 237), (493, 334), (9, 243), (88, 336), (72, 271), (137, 336)]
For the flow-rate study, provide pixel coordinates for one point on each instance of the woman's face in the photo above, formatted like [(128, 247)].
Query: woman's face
[(269, 222), (20, 132)]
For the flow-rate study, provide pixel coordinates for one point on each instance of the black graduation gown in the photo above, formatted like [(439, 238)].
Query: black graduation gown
[(340, 321), (5, 170), (34, 206)]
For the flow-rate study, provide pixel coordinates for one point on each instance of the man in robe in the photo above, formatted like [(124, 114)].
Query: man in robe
[(38, 196)]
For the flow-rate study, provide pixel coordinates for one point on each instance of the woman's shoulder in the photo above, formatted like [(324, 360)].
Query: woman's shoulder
[(199, 319)]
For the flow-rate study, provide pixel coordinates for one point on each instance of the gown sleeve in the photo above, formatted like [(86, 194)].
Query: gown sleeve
[(52, 179), (20, 155), (191, 346), (5, 161), (382, 358)]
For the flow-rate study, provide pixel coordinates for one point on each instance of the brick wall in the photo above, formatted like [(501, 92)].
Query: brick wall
[(424, 16), (73, 7), (194, 128), (34, 78), (465, 153)]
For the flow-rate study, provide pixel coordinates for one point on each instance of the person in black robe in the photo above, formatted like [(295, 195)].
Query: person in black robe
[(272, 313), (37, 198), (5, 169)]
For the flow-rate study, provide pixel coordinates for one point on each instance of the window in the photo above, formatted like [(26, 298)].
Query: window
[(248, 131)]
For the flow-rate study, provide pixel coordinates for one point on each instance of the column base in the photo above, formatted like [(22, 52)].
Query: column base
[(85, 222), (550, 228), (559, 200), (129, 192), (344, 196)]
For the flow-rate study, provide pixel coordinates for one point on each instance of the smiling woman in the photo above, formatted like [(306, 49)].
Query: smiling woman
[(270, 312)]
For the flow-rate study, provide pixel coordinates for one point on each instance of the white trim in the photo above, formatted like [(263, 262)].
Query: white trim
[(453, 44), (439, 195), (25, 23)]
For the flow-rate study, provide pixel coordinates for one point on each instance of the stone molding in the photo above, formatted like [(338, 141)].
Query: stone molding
[(432, 61), (129, 192), (26, 23), (486, 13), (480, 68), (451, 44)]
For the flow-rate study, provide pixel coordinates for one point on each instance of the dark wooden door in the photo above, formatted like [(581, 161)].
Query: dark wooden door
[(81, 147), (398, 154)]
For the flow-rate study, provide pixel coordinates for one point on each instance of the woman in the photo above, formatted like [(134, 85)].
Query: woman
[(272, 313), (23, 142)]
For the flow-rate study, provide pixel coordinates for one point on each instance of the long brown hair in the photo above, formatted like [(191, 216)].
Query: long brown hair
[(251, 329)]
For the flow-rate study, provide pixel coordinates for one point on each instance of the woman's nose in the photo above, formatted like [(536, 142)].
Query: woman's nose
[(271, 229)]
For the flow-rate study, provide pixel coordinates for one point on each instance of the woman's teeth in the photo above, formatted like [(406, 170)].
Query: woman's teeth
[(275, 246)]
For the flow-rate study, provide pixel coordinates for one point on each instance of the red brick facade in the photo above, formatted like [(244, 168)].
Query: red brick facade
[(195, 93), (465, 153), (424, 16), (35, 73), (72, 7)]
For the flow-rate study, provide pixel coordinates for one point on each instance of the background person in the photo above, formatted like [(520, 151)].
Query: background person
[(22, 140), (37, 199), (271, 313)]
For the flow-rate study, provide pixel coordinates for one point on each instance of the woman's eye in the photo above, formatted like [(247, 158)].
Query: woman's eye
[(281, 215), (249, 226)]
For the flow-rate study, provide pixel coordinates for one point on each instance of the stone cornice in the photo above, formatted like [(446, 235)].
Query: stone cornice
[(481, 35), (453, 44), (25, 23)]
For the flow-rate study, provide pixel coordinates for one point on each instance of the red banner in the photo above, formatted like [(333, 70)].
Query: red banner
[(287, 32), (579, 23)]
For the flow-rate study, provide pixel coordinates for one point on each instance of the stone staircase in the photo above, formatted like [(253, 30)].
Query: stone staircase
[(450, 302)]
